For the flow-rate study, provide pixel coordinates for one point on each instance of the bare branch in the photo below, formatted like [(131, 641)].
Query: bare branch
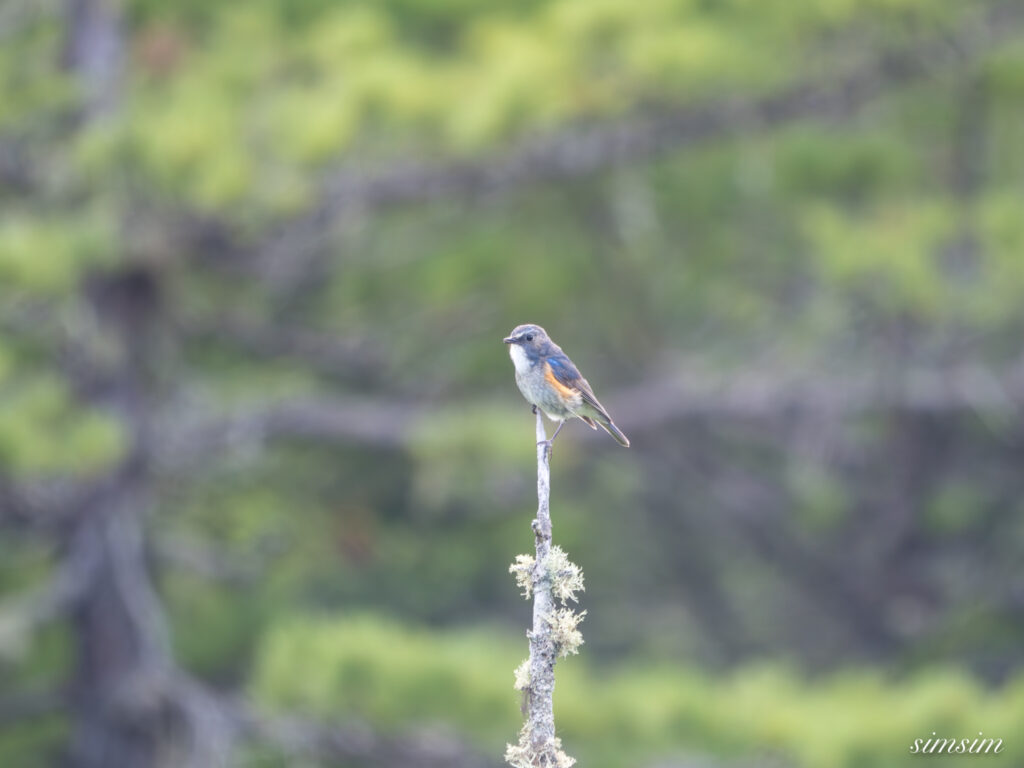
[(22, 505), (758, 394), (194, 438), (94, 52), (210, 732), (553, 634), (540, 707), (21, 618), (190, 437), (200, 558), (324, 353)]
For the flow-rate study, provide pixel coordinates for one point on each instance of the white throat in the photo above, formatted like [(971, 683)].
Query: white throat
[(519, 358)]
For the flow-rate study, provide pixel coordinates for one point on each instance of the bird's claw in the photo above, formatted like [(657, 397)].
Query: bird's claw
[(534, 409)]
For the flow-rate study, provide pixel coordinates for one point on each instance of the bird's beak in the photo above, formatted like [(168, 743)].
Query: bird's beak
[(509, 340)]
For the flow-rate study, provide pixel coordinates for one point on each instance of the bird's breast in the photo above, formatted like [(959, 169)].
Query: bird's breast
[(537, 389), (520, 359)]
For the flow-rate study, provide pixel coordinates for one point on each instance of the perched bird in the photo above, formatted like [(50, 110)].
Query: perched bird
[(549, 381)]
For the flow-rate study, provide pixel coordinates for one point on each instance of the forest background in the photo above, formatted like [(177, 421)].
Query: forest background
[(263, 465)]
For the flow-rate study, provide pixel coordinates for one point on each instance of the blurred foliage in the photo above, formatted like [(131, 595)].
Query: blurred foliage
[(394, 677), (888, 238)]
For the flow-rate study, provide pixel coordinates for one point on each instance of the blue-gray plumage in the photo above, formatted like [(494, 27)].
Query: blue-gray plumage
[(549, 381)]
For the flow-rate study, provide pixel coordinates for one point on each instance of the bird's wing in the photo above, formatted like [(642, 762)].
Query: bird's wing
[(565, 374)]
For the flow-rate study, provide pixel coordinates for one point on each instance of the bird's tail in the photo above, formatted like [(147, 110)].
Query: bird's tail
[(609, 427)]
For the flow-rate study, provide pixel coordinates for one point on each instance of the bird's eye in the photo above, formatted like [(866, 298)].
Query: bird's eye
[(529, 337)]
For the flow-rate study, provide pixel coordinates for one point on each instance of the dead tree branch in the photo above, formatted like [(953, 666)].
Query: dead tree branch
[(550, 578), (325, 353), (20, 619), (200, 558), (94, 51), (753, 394), (540, 710), (756, 394)]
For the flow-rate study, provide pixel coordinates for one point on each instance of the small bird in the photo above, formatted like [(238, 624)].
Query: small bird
[(549, 381)]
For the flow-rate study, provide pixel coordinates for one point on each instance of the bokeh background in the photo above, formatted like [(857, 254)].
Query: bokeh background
[(263, 465)]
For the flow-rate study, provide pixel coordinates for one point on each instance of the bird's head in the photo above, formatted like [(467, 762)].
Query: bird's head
[(532, 338)]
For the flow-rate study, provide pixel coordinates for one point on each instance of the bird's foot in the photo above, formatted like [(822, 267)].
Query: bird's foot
[(534, 409), (547, 445)]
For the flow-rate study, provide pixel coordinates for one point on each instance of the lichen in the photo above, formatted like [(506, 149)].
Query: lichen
[(522, 675), (566, 576), (525, 755), (522, 568), (565, 634)]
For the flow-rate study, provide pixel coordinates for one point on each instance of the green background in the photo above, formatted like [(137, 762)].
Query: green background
[(256, 262)]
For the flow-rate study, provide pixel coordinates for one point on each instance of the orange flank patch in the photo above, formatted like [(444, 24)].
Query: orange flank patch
[(565, 391)]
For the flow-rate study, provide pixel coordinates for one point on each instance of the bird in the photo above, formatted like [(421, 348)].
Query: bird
[(549, 381)]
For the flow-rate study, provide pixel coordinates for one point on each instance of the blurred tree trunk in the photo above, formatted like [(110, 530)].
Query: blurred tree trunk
[(124, 662), (94, 52), (117, 643)]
